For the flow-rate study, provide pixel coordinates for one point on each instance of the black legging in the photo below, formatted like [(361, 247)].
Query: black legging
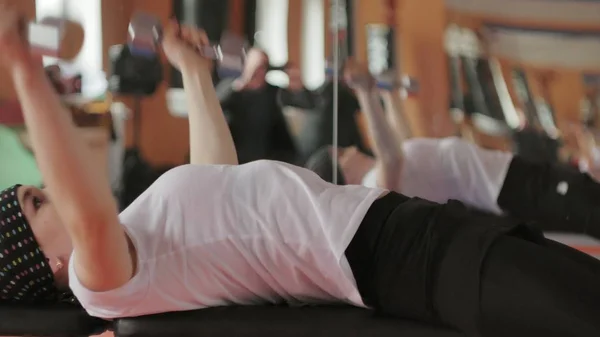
[(554, 197), (539, 290), (483, 275)]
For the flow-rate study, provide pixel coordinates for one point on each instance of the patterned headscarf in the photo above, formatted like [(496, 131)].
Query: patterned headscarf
[(25, 276)]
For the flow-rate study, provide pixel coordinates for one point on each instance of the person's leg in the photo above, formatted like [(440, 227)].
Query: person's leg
[(554, 197), (535, 290), (585, 260)]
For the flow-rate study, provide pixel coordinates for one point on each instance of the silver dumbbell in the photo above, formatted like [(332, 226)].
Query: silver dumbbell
[(145, 35), (55, 37)]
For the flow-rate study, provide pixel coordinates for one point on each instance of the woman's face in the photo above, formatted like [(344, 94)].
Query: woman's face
[(46, 225)]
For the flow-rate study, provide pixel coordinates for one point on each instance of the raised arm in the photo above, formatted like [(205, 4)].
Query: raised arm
[(395, 114), (226, 93), (387, 148), (210, 138), (81, 193)]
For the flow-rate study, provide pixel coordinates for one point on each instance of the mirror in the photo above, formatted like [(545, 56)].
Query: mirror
[(522, 79)]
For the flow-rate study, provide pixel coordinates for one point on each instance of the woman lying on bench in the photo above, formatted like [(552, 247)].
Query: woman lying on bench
[(556, 197), (216, 233)]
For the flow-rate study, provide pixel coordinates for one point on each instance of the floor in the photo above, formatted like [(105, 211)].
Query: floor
[(583, 243)]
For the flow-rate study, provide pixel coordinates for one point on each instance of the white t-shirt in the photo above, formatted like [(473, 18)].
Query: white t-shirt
[(439, 169), (262, 232)]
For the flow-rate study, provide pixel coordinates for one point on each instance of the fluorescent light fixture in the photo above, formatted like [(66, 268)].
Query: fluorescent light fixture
[(556, 11), (547, 48)]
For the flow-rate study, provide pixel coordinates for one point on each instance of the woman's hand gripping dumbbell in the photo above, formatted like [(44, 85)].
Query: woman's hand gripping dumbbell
[(146, 34), (55, 37)]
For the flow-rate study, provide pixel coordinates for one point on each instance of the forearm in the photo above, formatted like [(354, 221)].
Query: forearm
[(210, 138), (395, 114), (386, 147), (73, 180)]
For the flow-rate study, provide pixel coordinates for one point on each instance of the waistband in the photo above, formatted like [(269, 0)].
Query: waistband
[(363, 246)]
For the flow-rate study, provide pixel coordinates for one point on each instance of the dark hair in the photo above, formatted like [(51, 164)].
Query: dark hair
[(321, 163)]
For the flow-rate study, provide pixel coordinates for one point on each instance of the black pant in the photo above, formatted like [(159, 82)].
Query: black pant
[(480, 274), (553, 197), (539, 290)]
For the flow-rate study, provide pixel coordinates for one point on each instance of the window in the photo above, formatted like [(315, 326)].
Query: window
[(313, 43), (271, 35)]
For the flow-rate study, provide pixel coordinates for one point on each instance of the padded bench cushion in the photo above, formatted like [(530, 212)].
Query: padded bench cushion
[(63, 320), (273, 321)]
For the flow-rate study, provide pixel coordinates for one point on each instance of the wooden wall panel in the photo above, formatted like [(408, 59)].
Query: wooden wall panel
[(294, 31), (236, 16), (7, 91)]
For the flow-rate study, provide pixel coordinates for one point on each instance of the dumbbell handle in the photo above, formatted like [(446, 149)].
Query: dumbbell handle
[(212, 52), (45, 37), (405, 82)]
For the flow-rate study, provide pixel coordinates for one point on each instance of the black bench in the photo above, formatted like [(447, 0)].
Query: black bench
[(260, 321)]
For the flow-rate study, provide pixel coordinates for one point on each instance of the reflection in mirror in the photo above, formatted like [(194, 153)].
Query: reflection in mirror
[(448, 140)]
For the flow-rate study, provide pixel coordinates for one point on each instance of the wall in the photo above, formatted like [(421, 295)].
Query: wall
[(6, 87)]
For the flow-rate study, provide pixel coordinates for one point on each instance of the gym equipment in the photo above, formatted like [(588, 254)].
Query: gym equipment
[(524, 95), (546, 114), (61, 319), (457, 109), (535, 140), (64, 320), (382, 59), (452, 39), (484, 81), (587, 132), (591, 108), (338, 28), (538, 139), (145, 34), (47, 37), (138, 75), (339, 31)]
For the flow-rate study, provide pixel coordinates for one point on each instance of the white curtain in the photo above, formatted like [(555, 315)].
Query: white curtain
[(271, 28), (313, 43)]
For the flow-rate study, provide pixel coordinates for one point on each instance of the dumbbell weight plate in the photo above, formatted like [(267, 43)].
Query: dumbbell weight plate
[(56, 37), (144, 34), (388, 81), (231, 55)]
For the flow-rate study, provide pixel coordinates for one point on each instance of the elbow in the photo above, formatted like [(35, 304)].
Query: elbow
[(391, 176), (85, 221), (392, 163)]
